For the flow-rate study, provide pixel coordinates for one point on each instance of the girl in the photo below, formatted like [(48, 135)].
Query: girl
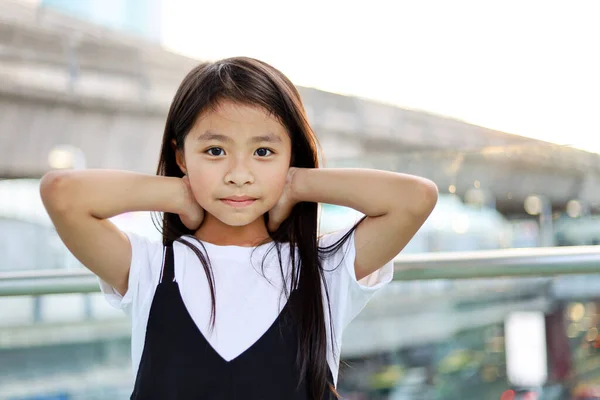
[(241, 299)]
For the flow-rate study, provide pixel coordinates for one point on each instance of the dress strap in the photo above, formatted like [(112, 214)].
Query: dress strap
[(168, 270)]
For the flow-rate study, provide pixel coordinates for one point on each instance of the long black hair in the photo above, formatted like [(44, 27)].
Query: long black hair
[(248, 81)]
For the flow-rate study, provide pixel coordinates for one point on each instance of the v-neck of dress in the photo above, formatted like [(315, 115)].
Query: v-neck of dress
[(274, 325)]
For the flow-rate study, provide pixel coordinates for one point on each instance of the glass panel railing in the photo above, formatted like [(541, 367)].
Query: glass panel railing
[(417, 339), (474, 343)]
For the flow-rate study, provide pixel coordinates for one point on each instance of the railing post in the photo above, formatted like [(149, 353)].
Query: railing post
[(559, 353)]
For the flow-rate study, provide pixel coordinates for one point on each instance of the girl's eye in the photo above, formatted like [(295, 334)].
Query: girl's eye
[(263, 152), (215, 151)]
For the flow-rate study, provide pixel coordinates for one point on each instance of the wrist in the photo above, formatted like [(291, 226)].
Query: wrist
[(297, 184), (181, 198)]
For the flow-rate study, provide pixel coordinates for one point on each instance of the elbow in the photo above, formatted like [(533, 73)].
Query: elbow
[(54, 191), (426, 197)]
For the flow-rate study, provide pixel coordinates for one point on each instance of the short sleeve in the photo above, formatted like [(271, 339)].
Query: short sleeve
[(348, 296), (143, 273)]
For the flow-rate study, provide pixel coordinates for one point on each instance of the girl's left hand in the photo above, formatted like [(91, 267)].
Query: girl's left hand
[(283, 207)]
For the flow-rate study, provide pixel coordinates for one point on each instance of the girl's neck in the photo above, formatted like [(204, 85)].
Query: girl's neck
[(216, 232)]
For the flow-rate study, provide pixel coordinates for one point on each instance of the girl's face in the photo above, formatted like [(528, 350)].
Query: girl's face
[(237, 158)]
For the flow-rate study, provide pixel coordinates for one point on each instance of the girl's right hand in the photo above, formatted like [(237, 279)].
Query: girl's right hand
[(192, 214)]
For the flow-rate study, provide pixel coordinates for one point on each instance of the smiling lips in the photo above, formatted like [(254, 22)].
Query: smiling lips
[(238, 201)]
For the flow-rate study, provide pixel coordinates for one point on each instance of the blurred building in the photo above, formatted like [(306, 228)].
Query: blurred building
[(139, 17)]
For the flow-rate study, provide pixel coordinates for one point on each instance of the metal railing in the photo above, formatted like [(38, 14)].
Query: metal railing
[(460, 265)]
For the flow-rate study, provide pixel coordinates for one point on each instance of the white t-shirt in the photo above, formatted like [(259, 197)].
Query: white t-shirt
[(247, 304)]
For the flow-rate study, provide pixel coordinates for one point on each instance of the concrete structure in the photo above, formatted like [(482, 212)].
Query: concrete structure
[(138, 17), (64, 81)]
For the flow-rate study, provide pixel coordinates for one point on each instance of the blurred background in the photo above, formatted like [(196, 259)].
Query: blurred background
[(496, 297)]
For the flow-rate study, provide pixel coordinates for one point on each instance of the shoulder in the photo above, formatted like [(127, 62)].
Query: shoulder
[(346, 294), (146, 261)]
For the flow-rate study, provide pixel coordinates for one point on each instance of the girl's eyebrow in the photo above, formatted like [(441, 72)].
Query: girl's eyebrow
[(270, 138), (208, 135)]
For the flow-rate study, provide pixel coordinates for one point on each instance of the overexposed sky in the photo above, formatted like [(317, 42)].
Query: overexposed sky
[(522, 66)]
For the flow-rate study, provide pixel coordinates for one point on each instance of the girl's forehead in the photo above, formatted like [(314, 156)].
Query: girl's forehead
[(235, 113), (231, 118)]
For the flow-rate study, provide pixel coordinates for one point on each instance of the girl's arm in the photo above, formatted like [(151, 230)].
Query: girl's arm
[(80, 203), (396, 205)]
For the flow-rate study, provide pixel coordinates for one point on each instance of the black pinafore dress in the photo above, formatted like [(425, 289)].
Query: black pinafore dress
[(178, 363)]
